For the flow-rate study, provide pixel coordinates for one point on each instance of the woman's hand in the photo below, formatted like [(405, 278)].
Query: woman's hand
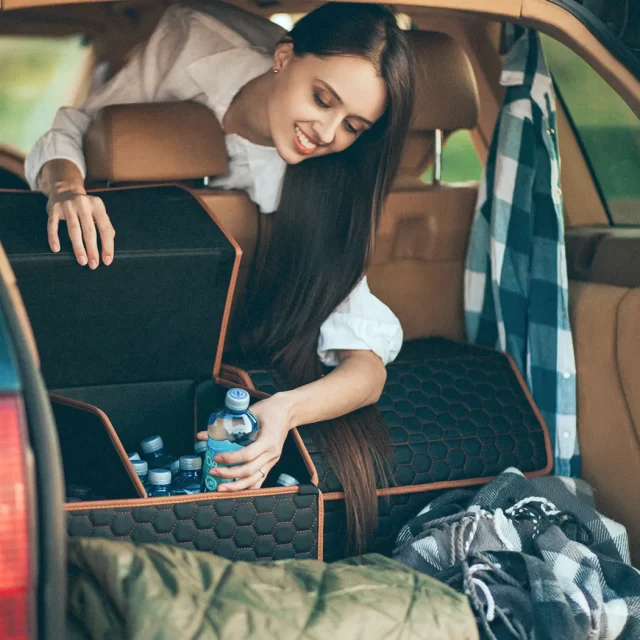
[(274, 418), (83, 214)]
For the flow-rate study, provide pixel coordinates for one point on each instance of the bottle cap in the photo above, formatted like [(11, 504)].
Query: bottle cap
[(190, 463), (200, 446), (174, 466), (141, 467), (159, 476), (286, 480), (134, 456), (152, 444), (237, 400)]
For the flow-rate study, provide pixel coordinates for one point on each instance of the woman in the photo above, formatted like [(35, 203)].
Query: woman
[(313, 131)]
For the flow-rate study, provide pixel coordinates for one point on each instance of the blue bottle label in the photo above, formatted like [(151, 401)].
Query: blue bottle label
[(211, 482)]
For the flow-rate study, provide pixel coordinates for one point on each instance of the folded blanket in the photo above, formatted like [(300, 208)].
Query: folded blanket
[(119, 590), (534, 556)]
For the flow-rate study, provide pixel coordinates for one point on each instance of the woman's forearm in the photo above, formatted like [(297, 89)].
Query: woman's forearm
[(356, 382), (62, 175)]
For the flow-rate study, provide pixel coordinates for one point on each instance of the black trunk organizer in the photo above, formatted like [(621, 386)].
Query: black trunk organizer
[(134, 349), (458, 415)]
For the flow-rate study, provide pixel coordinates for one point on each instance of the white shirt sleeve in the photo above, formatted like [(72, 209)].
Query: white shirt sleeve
[(142, 79), (361, 322)]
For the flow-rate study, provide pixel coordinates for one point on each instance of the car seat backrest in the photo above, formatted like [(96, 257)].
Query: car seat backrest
[(417, 266)]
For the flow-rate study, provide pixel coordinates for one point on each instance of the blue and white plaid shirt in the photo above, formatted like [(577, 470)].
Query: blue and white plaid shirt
[(516, 285)]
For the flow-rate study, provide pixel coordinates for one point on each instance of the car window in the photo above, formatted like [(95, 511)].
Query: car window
[(37, 75), (606, 127), (460, 162)]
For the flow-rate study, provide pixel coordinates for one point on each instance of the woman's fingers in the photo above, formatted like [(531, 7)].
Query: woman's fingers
[(241, 484), (105, 228), (75, 232), (89, 234), (52, 229), (244, 470), (253, 478), (86, 217)]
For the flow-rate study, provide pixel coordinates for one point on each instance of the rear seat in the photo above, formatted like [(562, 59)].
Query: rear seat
[(418, 264)]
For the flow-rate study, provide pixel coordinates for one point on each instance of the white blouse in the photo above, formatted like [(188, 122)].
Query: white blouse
[(208, 55)]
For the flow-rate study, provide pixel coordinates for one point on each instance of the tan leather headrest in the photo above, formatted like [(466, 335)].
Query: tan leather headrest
[(446, 89), (446, 98), (155, 142)]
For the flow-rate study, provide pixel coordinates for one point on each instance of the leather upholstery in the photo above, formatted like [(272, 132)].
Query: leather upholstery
[(606, 323), (154, 142)]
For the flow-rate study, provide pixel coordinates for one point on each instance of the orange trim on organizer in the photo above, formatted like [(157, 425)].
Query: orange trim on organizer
[(320, 526), (306, 456), (543, 424), (229, 372), (432, 486), (232, 283), (171, 500), (111, 432)]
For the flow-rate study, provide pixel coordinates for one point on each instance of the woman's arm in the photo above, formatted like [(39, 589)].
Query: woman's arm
[(356, 382), (56, 164)]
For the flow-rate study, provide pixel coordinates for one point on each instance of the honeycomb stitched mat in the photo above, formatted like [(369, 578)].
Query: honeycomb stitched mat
[(273, 527), (455, 412)]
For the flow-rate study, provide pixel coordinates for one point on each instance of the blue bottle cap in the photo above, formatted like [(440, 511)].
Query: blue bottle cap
[(134, 456), (237, 400), (159, 476), (141, 467), (200, 446), (285, 480), (190, 463), (152, 444)]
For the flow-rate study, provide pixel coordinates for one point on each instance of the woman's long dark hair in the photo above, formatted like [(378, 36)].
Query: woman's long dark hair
[(321, 240)]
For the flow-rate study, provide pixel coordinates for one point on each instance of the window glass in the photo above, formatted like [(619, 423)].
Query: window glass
[(460, 162), (607, 128), (37, 75)]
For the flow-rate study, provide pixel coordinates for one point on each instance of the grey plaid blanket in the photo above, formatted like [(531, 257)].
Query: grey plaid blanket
[(534, 557)]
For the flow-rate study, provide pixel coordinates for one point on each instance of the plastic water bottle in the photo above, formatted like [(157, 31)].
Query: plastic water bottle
[(159, 483), (230, 429), (285, 480), (200, 448), (134, 456), (189, 479), (153, 451), (141, 468)]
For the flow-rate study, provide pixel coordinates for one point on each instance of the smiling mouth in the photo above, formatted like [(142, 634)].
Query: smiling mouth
[(303, 144)]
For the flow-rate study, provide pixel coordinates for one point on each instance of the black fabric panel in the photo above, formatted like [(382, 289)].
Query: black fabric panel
[(259, 528), (155, 314), (88, 455), (140, 410), (9, 180), (455, 412)]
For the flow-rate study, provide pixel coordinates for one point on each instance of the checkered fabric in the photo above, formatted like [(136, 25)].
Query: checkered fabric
[(516, 284), (534, 557)]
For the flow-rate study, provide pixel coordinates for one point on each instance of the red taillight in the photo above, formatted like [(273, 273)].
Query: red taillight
[(15, 575)]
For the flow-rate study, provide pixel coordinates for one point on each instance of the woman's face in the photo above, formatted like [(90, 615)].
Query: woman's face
[(322, 105)]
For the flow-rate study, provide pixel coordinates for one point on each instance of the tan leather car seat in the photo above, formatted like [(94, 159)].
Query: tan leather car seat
[(417, 267)]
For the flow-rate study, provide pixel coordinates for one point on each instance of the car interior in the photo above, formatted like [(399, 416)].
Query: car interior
[(186, 275)]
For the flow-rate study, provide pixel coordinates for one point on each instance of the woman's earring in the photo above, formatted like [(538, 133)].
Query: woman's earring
[(276, 70)]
